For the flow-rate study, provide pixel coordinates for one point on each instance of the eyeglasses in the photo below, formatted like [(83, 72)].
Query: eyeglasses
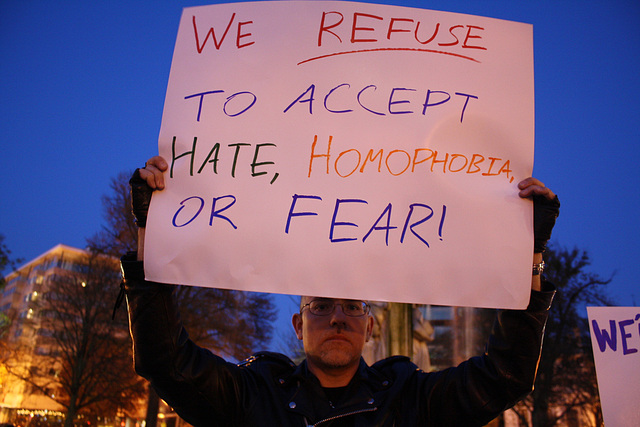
[(323, 307)]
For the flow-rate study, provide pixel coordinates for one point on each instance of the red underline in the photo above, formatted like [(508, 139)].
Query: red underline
[(385, 49)]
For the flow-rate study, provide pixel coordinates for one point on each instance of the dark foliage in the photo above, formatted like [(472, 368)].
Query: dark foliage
[(566, 387)]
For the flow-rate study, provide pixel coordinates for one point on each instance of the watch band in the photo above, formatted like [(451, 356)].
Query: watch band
[(538, 269)]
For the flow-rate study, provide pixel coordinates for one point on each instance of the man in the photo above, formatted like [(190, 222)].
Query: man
[(333, 386)]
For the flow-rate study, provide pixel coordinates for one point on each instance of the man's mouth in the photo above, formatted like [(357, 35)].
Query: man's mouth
[(337, 338)]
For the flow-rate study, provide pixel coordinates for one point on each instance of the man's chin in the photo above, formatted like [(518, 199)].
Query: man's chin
[(339, 356), (337, 362)]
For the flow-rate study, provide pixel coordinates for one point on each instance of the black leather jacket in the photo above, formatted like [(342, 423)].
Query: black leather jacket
[(269, 390)]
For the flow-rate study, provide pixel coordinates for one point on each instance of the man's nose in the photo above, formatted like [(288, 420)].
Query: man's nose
[(338, 316)]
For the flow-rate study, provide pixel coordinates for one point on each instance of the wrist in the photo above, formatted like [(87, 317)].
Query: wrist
[(538, 268), (141, 243), (536, 281)]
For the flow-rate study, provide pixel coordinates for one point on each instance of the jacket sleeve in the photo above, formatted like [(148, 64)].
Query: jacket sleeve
[(479, 389), (203, 388)]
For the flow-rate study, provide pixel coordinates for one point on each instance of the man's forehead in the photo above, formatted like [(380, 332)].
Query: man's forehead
[(306, 299)]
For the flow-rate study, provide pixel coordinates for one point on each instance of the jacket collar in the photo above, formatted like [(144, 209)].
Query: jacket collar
[(306, 396)]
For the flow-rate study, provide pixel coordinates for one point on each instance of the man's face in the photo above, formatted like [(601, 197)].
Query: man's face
[(334, 341)]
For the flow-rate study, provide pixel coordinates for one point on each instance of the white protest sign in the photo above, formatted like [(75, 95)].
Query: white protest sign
[(615, 337), (349, 150)]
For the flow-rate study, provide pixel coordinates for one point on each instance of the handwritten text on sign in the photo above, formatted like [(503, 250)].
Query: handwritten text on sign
[(615, 338), (347, 149)]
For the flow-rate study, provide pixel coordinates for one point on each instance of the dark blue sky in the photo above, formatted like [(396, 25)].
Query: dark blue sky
[(82, 87)]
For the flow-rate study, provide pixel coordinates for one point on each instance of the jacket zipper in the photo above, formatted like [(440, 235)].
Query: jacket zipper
[(343, 415)]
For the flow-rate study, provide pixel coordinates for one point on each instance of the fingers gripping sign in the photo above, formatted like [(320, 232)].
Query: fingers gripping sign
[(153, 172), (143, 182)]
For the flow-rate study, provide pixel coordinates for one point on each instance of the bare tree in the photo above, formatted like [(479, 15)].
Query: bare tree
[(119, 234), (5, 260), (82, 359), (565, 387), (6, 317)]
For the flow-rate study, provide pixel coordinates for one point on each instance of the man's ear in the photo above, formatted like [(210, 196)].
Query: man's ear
[(370, 322), (296, 320)]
